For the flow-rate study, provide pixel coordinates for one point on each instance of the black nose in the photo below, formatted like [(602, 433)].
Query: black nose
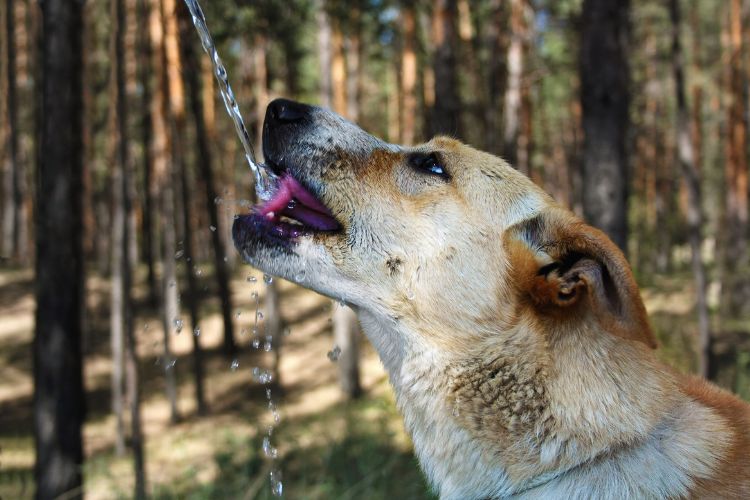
[(285, 111)]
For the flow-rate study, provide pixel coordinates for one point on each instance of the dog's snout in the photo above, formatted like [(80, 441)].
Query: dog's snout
[(285, 111)]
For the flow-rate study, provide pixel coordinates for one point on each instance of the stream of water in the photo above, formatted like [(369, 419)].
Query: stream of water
[(265, 180)]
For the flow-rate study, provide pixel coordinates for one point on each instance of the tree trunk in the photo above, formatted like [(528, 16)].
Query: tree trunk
[(201, 107), (735, 289), (408, 75), (324, 52), (162, 186), (517, 103), (691, 174), (346, 338), (260, 52), (118, 142), (604, 98), (58, 375), (274, 326), (177, 113), (446, 115), (150, 242), (5, 163), (353, 48), (338, 69), (497, 79), (12, 165)]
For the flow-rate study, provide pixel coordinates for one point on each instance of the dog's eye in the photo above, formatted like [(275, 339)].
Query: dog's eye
[(428, 164)]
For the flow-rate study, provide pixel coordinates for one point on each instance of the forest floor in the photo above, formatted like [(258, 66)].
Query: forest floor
[(328, 448)]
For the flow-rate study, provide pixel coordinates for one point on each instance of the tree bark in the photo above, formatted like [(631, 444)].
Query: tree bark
[(324, 52), (12, 165), (346, 338), (182, 178), (605, 99), (353, 48), (338, 69), (408, 75), (201, 108), (58, 375), (150, 242), (162, 186), (5, 163), (735, 289), (119, 159), (691, 175), (497, 79), (513, 89), (446, 115)]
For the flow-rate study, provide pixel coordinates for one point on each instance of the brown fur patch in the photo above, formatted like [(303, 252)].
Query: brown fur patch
[(732, 478), (555, 237)]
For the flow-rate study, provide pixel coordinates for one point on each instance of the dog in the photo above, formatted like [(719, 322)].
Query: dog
[(513, 334)]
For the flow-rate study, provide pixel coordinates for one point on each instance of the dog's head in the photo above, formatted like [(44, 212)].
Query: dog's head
[(440, 237)]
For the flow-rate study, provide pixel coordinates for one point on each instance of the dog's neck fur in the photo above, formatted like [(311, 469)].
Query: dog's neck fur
[(512, 426)]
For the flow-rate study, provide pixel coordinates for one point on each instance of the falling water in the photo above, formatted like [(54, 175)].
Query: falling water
[(264, 178)]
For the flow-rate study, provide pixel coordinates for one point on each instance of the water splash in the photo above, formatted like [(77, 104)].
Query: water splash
[(334, 354), (265, 180)]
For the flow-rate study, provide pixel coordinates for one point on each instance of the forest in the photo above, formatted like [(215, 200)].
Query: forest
[(140, 357)]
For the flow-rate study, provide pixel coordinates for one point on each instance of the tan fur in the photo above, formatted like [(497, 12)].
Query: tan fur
[(514, 336)]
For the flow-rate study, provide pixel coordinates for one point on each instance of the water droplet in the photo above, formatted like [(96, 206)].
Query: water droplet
[(238, 314), (254, 295), (178, 324), (268, 279), (226, 259), (300, 276), (410, 294), (259, 314), (218, 200), (235, 364), (292, 203), (267, 346), (269, 450), (256, 343), (456, 407), (198, 271), (179, 253), (268, 393), (277, 488), (334, 354), (252, 279), (212, 228), (262, 375), (197, 331)]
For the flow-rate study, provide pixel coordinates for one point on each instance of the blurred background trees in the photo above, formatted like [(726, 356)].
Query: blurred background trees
[(633, 114)]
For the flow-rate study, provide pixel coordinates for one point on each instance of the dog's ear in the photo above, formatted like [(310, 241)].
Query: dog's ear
[(563, 265)]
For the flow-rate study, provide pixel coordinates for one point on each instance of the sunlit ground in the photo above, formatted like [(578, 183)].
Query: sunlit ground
[(328, 448)]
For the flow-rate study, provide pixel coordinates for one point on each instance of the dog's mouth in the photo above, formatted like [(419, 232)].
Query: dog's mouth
[(293, 211)]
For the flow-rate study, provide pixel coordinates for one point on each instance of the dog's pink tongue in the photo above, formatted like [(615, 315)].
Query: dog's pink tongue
[(310, 217), (293, 200)]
